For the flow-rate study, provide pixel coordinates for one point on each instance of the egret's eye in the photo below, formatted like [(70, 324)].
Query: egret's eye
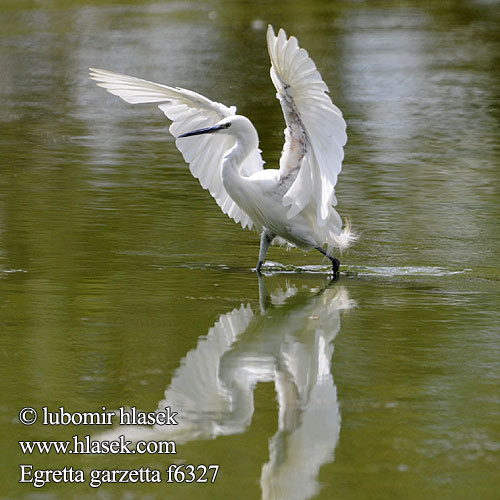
[(226, 125)]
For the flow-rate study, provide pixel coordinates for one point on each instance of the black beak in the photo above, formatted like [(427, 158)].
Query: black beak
[(207, 130)]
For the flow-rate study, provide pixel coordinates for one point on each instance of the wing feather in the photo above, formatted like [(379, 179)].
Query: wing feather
[(188, 111), (315, 133)]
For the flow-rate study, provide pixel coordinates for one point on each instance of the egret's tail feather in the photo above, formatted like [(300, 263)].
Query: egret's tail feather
[(345, 239)]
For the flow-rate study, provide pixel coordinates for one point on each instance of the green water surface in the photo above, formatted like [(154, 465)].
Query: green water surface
[(123, 285)]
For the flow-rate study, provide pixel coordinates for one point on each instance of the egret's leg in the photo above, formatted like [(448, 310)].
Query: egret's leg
[(266, 239), (335, 261)]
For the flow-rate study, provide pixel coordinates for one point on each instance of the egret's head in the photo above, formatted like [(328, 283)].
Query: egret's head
[(238, 126)]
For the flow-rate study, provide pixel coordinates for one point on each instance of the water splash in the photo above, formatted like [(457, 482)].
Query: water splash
[(11, 271), (385, 271), (390, 271), (270, 268)]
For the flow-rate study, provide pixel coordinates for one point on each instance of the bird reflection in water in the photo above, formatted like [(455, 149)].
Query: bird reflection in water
[(288, 342)]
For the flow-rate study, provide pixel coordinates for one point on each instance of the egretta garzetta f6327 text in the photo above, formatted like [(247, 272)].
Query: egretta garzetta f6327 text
[(294, 203)]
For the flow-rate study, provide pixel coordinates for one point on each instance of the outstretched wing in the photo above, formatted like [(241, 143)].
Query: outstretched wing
[(188, 111), (315, 133)]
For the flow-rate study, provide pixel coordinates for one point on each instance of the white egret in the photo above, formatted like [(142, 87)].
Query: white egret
[(294, 203)]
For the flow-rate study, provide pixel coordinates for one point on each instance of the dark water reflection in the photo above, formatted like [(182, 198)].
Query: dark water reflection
[(113, 261)]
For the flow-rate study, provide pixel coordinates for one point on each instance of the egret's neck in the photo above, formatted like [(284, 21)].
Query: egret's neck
[(245, 144), (235, 157), (235, 180)]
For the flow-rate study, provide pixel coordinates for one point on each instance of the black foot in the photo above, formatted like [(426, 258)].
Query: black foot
[(334, 260), (259, 266)]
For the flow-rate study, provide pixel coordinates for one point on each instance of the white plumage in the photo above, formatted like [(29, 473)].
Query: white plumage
[(294, 203)]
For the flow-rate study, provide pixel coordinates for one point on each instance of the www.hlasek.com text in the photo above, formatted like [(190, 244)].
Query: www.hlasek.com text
[(87, 446)]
